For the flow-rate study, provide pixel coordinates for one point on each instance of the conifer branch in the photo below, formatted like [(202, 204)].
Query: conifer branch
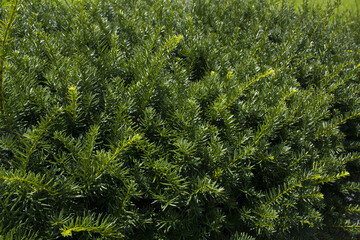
[(354, 228), (18, 233), (282, 191), (353, 208), (92, 225), (5, 209), (320, 99), (298, 159), (4, 32), (271, 119), (111, 158), (331, 177), (28, 180), (236, 95), (126, 198), (219, 171), (347, 159), (157, 63), (35, 136), (337, 124)]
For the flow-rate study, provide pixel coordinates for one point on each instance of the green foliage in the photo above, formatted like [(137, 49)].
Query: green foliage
[(5, 27), (179, 119)]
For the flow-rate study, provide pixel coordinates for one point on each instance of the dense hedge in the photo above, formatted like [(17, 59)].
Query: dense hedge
[(178, 119)]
